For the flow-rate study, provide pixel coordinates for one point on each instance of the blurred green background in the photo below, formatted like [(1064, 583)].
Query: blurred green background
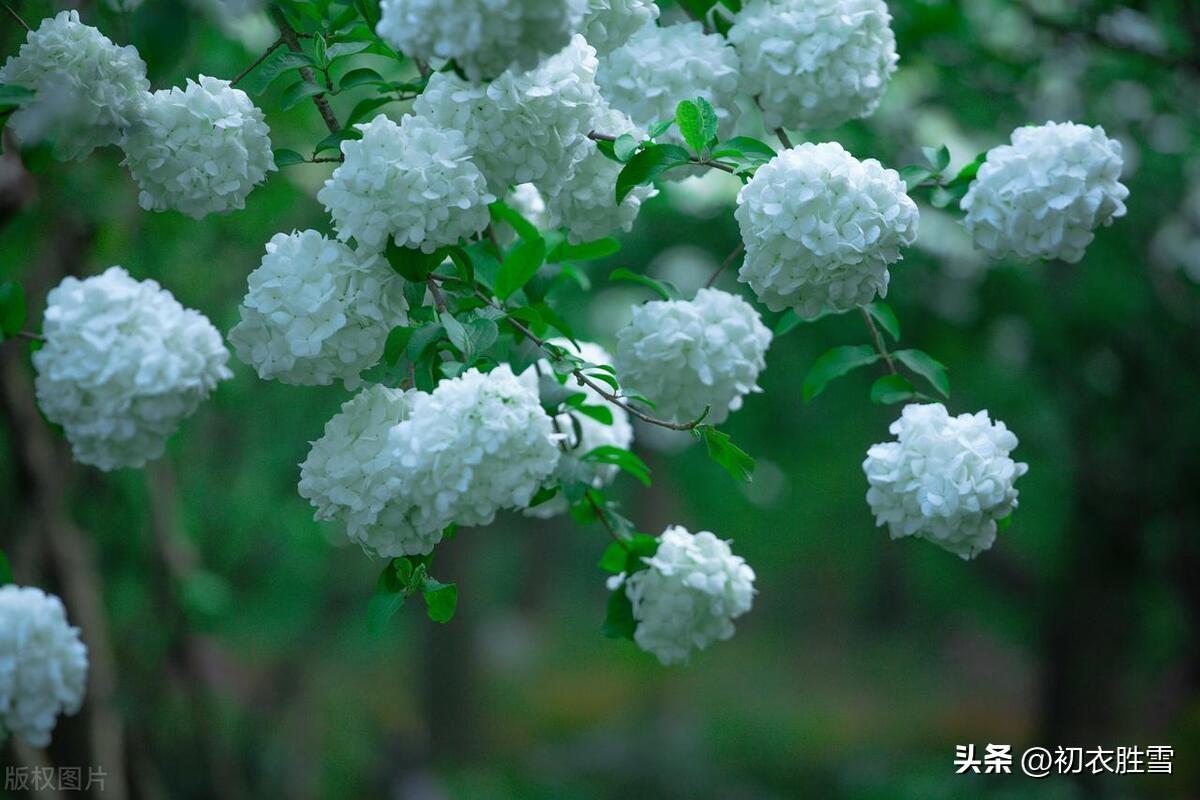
[(228, 630)]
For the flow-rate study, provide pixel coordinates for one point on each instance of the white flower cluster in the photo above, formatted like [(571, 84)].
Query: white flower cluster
[(688, 598), (484, 37), (815, 63), (199, 150), (945, 479), (1043, 195), (524, 127), (590, 433), (43, 664), (398, 468), (414, 182), (317, 311), (585, 204), (87, 89), (608, 24), (820, 229), (123, 364), (661, 66), (688, 355)]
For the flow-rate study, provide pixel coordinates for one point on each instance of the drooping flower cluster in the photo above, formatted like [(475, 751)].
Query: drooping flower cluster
[(398, 468), (945, 479), (688, 598), (414, 183), (584, 204), (820, 229), (87, 90), (523, 127), (43, 664), (483, 37), (199, 150), (1044, 194), (689, 355), (815, 63), (608, 24), (581, 433), (123, 364), (317, 311), (661, 66)]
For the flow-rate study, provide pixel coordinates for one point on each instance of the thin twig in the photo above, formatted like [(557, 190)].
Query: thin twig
[(784, 139), (326, 160), (275, 46), (288, 34), (439, 299), (703, 162), (30, 336), (16, 16), (729, 259), (602, 515), (878, 339)]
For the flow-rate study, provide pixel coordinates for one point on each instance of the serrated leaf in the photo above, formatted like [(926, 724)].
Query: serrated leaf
[(892, 389), (519, 265), (620, 458), (362, 76), (882, 313), (441, 600), (927, 367), (691, 125), (835, 363), (664, 289), (298, 91), (287, 158), (708, 121), (647, 165), (724, 452), (12, 309), (276, 64)]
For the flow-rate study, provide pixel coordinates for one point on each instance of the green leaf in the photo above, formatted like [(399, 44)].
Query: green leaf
[(502, 212), (441, 600), (914, 175), (613, 558), (787, 321), (388, 598), (365, 107), (276, 64), (544, 495), (397, 342), (619, 622), (334, 140), (286, 158), (360, 77), (621, 459), (456, 332), (708, 121), (927, 367), (413, 264), (602, 414), (588, 251), (882, 313), (938, 157), (6, 574), (1004, 523), (691, 125), (968, 173), (12, 309), (647, 165), (342, 49), (624, 147), (892, 389), (659, 128), (724, 452), (744, 147), (483, 333), (12, 95), (664, 289), (298, 91), (519, 265), (834, 364)]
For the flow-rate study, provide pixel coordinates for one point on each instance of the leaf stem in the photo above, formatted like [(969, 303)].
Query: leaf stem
[(878, 339), (729, 259)]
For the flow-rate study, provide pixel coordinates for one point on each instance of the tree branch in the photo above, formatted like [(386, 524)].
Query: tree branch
[(16, 16), (877, 338), (288, 34), (275, 46), (729, 259)]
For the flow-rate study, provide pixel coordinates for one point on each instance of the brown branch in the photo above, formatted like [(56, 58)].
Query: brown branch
[(275, 46), (726, 264), (439, 299), (16, 16), (784, 139), (877, 338), (290, 38)]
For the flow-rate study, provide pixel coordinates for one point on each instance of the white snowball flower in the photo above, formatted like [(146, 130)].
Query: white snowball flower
[(659, 67), (484, 37), (413, 182), (43, 664), (524, 127), (686, 355), (123, 364), (945, 479), (317, 311), (87, 90), (352, 476), (815, 63), (584, 434), (688, 598), (608, 24), (199, 150), (820, 229), (586, 203), (1043, 195), (475, 445)]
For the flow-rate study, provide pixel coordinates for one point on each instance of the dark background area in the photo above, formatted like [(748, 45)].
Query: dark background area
[(227, 629)]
